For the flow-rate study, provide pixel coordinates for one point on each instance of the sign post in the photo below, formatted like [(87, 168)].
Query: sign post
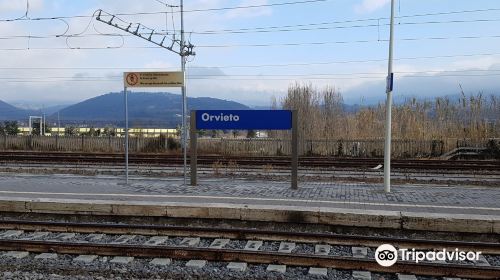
[(244, 120), (193, 136), (147, 80)]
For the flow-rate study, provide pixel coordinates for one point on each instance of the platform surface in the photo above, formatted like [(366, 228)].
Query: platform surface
[(469, 200)]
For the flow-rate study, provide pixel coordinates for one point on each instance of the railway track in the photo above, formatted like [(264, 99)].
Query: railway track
[(164, 159), (79, 245)]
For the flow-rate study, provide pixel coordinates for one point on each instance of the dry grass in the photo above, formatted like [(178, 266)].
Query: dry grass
[(321, 116)]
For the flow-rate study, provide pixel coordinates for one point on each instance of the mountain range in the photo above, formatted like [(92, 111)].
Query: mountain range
[(145, 110)]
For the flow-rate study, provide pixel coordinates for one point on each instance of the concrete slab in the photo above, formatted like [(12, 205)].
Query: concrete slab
[(17, 254), (139, 209), (122, 260), (156, 240), (448, 222), (361, 275), (161, 261), (46, 256), (318, 271), (237, 266), (406, 277), (253, 245), (357, 217), (11, 233), (190, 241), (276, 268), (286, 247), (219, 243), (122, 239), (359, 252), (85, 258), (196, 263), (322, 250)]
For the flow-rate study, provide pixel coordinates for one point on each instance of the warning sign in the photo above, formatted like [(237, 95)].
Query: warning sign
[(153, 79)]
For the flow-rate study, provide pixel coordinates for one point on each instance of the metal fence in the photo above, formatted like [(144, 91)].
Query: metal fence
[(224, 146)]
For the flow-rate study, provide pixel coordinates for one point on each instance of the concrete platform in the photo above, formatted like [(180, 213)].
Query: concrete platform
[(422, 207)]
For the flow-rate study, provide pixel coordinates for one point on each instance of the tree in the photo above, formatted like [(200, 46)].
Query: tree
[(251, 133), (70, 131), (2, 129), (109, 131), (11, 128)]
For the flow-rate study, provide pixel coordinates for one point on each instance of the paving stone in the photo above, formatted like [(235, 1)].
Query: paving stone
[(359, 252), (123, 239), (161, 261), (122, 260), (253, 245), (155, 240), (406, 277), (286, 247), (482, 261), (322, 250), (85, 258), (94, 237), (46, 256), (361, 275), (17, 254), (276, 268), (64, 236), (237, 266), (318, 271), (190, 241), (196, 263), (11, 233), (218, 243), (37, 235)]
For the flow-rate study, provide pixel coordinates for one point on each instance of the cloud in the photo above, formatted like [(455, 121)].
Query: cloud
[(368, 6)]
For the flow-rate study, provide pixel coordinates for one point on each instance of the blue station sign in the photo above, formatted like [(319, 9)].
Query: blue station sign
[(244, 119)]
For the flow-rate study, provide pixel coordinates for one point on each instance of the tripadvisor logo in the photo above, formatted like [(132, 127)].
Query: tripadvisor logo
[(388, 255)]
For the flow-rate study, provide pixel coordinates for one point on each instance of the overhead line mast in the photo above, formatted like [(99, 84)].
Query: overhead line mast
[(185, 50)]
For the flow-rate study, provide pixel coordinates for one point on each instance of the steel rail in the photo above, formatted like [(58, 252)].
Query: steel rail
[(492, 248), (245, 160), (259, 257)]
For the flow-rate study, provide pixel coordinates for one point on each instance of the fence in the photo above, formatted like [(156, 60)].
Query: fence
[(225, 146), (82, 143)]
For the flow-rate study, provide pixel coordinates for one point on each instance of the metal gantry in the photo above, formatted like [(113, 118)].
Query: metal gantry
[(184, 50)]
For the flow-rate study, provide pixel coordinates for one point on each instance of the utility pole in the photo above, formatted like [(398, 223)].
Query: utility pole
[(184, 94), (185, 50), (388, 104), (58, 123)]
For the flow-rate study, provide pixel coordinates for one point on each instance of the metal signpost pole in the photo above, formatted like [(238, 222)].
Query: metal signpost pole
[(193, 149), (126, 135), (184, 101), (390, 83), (295, 150)]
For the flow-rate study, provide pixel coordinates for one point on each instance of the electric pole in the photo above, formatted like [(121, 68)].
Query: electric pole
[(185, 50), (388, 104), (184, 96)]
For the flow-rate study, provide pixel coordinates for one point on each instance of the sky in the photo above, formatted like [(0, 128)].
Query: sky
[(251, 55)]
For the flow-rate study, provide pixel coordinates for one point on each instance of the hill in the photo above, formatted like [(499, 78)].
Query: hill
[(9, 112), (145, 109)]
